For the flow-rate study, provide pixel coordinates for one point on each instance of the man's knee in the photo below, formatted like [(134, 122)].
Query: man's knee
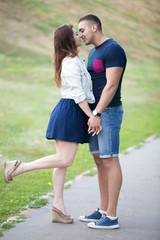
[(109, 162), (97, 159)]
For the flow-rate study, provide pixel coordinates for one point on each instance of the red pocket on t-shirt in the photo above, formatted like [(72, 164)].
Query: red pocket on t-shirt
[(98, 66)]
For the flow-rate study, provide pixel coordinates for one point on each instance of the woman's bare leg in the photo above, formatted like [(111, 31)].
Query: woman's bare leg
[(59, 175), (63, 159), (58, 186)]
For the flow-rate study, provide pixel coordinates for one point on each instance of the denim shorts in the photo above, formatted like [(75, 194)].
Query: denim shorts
[(106, 143)]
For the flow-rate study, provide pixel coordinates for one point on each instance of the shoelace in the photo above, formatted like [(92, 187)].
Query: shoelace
[(101, 219), (96, 211)]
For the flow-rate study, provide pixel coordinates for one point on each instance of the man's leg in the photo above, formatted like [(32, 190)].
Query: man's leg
[(109, 171), (94, 150), (110, 181), (103, 182), (114, 182), (108, 142), (114, 177)]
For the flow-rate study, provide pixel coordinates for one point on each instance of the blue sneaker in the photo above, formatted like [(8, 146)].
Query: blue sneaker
[(104, 223), (96, 215)]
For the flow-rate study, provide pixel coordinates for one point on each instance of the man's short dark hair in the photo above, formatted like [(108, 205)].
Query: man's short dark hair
[(93, 18)]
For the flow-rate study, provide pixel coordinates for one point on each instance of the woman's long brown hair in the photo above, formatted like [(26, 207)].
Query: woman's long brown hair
[(64, 45)]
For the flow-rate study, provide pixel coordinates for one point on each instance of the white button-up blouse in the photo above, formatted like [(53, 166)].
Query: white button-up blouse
[(76, 82)]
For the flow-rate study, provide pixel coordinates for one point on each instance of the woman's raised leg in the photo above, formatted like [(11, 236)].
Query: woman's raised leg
[(63, 159)]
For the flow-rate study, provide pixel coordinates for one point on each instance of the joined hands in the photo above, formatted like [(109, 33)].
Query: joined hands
[(94, 125)]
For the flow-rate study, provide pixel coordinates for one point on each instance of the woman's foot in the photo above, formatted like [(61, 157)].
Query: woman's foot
[(58, 216), (9, 169), (59, 204)]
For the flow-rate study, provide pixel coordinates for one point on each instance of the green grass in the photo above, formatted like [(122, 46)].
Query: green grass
[(105, 4), (43, 28), (7, 226), (141, 100), (11, 223), (92, 172), (38, 203)]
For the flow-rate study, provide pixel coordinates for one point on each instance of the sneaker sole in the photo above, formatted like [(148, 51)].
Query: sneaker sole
[(103, 227), (87, 220)]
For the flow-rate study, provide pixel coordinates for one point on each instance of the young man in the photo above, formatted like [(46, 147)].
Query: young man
[(106, 65)]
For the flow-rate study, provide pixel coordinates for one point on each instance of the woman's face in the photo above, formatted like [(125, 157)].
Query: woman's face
[(76, 37)]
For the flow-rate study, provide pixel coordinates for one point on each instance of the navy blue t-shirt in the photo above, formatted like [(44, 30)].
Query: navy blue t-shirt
[(108, 54)]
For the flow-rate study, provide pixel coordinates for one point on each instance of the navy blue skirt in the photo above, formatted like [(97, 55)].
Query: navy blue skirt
[(68, 123)]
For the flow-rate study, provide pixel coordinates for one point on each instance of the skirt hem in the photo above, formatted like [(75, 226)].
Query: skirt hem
[(67, 140)]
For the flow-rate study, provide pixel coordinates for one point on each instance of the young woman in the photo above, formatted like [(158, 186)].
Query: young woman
[(68, 121)]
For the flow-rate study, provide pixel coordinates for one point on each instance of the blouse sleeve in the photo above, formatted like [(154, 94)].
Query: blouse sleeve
[(72, 75)]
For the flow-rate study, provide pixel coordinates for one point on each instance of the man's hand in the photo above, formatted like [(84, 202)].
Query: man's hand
[(94, 124)]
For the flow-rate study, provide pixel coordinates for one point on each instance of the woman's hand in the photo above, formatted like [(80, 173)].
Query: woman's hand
[(94, 124)]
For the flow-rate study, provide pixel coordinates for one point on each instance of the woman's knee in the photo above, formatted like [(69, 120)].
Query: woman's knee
[(67, 151), (67, 162)]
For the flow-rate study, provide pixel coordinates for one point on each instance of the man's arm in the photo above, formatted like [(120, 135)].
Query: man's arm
[(113, 76)]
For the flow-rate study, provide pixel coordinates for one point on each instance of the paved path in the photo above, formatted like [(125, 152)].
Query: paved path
[(138, 209)]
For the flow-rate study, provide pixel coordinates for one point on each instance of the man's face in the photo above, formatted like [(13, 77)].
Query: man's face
[(86, 33)]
